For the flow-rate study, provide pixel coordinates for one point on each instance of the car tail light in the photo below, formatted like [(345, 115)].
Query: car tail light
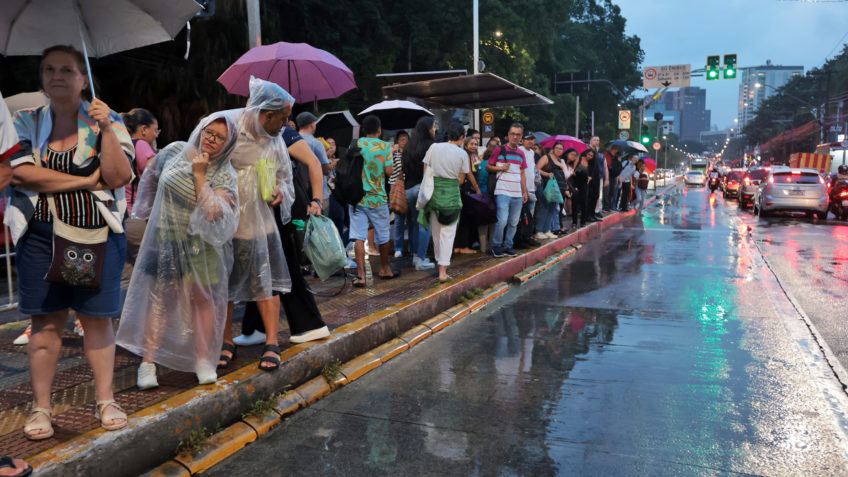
[(821, 179), (844, 193), (747, 180), (771, 180)]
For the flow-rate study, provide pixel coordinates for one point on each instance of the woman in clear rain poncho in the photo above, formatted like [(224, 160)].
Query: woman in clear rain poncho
[(264, 170), (176, 303)]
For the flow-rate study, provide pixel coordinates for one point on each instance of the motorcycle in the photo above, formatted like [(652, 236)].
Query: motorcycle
[(713, 181), (839, 199)]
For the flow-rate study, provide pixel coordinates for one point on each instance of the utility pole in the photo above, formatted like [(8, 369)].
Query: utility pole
[(254, 27), (476, 15), (577, 117)]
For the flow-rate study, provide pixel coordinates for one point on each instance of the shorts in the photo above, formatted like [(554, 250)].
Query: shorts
[(36, 296), (376, 216)]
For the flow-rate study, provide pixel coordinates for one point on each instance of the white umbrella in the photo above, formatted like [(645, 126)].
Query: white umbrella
[(396, 114), (25, 101), (99, 27)]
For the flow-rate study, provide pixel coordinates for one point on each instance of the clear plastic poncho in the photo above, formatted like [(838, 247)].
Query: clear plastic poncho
[(260, 266), (176, 304)]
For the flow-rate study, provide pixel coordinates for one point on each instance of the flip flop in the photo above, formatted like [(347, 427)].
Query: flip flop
[(359, 283), (7, 462), (395, 274)]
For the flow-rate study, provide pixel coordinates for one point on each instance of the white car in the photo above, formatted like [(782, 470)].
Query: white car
[(695, 178), (791, 190)]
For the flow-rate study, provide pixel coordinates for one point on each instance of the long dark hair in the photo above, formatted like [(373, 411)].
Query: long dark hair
[(420, 140)]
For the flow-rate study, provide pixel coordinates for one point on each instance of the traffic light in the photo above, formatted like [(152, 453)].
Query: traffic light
[(729, 66), (713, 67), (646, 139)]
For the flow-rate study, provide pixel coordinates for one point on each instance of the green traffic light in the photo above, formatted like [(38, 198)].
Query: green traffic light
[(646, 139), (729, 73)]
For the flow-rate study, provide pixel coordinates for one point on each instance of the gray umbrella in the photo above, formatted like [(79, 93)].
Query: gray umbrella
[(98, 27)]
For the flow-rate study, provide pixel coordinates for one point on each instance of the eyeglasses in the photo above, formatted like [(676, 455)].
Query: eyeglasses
[(209, 134)]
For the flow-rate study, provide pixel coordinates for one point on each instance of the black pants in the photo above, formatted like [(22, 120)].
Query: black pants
[(580, 203), (594, 195), (301, 310), (624, 203)]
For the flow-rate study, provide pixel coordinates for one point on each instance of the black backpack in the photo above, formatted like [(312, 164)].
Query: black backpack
[(492, 180), (615, 167), (643, 181), (348, 188), (526, 227)]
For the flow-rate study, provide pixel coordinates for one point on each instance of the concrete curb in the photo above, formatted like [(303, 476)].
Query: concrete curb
[(153, 434)]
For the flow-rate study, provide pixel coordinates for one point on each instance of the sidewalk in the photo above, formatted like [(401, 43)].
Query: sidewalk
[(360, 319)]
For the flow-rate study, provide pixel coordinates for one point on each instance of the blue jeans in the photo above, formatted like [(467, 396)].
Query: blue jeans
[(544, 210), (616, 193), (509, 211), (419, 236)]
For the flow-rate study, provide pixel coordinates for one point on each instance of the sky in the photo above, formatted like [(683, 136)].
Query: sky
[(687, 31)]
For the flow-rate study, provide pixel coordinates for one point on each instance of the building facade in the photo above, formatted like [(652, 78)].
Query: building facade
[(758, 83), (691, 105)]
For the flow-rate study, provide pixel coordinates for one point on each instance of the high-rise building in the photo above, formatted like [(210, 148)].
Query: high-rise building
[(769, 77), (691, 103)]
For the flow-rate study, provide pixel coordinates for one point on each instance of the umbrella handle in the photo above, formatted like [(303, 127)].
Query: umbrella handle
[(85, 52)]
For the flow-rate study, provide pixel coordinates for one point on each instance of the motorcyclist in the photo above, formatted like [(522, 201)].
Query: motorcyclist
[(840, 186), (714, 177)]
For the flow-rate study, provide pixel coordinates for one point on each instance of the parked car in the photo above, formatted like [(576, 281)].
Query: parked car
[(695, 178), (731, 181), (749, 184), (787, 189)]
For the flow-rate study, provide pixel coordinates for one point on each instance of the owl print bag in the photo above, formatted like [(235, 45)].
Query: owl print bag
[(78, 253)]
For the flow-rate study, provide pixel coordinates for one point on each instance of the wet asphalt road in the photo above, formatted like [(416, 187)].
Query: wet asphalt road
[(665, 348)]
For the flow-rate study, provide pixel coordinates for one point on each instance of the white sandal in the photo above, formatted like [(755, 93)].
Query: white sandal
[(98, 414), (32, 424)]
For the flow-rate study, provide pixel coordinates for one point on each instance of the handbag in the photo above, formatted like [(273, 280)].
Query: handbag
[(397, 196), (425, 192), (78, 253), (478, 209), (323, 246)]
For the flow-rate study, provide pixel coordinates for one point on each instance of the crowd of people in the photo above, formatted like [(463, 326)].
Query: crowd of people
[(199, 225)]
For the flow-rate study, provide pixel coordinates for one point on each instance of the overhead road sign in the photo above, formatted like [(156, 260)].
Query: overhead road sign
[(668, 76)]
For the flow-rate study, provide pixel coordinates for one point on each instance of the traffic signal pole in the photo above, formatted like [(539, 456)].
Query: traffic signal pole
[(645, 104)]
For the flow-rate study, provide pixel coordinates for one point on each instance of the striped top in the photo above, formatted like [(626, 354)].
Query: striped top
[(397, 166), (509, 181), (75, 208)]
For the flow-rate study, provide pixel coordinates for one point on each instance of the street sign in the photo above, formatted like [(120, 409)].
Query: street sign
[(668, 76), (624, 135), (624, 119), (657, 146), (845, 144), (488, 117)]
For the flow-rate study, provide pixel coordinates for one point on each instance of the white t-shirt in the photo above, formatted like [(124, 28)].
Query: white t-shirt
[(8, 134), (447, 160), (530, 174)]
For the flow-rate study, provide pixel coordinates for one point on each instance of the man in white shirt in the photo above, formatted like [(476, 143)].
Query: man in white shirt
[(530, 174)]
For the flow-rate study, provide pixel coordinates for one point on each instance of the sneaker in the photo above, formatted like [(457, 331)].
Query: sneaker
[(423, 263), (551, 235), (206, 375), (24, 338), (497, 252), (540, 236), (147, 376), (257, 337), (78, 327), (398, 254), (311, 335), (509, 252)]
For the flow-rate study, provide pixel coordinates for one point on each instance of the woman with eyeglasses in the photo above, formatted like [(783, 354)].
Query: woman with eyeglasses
[(176, 302)]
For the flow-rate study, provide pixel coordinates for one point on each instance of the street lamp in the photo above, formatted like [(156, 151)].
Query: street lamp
[(498, 33)]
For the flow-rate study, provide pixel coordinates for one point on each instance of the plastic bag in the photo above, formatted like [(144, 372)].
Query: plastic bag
[(266, 179), (552, 193), (323, 246)]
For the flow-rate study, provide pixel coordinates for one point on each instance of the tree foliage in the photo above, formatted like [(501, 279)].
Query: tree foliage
[(540, 38)]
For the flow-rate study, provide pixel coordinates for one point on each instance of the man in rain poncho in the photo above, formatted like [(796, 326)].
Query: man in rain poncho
[(264, 171)]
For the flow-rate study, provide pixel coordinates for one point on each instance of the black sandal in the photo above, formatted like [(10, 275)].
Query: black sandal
[(275, 360), (226, 359), (6, 462)]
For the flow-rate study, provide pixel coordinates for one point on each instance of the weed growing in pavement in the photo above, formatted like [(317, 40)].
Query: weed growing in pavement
[(261, 407), (469, 295), (331, 370), (195, 441)]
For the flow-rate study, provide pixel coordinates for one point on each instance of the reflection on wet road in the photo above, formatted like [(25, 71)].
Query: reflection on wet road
[(664, 348)]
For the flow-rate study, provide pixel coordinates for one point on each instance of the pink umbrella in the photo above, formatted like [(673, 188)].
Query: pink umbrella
[(567, 141), (308, 73), (650, 163)]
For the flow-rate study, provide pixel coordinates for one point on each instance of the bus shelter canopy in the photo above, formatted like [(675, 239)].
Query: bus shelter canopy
[(483, 90)]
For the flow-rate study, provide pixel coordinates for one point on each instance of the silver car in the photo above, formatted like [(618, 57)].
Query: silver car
[(790, 189), (695, 178)]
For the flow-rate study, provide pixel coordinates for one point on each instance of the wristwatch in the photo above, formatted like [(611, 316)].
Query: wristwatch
[(317, 201)]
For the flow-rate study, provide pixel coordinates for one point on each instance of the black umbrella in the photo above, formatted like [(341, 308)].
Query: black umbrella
[(338, 125), (397, 114)]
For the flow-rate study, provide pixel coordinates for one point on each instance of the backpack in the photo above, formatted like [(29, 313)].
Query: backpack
[(526, 228), (492, 179), (643, 181), (348, 188)]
